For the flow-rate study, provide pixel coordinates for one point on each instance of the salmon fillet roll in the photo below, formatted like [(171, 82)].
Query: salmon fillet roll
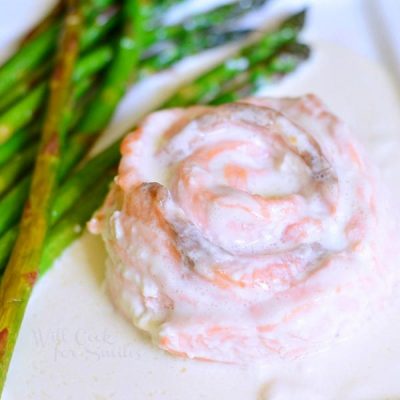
[(246, 231)]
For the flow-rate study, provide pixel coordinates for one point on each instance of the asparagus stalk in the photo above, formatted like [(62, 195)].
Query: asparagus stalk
[(200, 28), (195, 33), (186, 43), (263, 74), (12, 164), (17, 142), (28, 58), (66, 231), (200, 37), (106, 18), (35, 79), (89, 10), (113, 87), (92, 171), (22, 271), (186, 46), (93, 35), (206, 88), (68, 194), (23, 88), (118, 75), (7, 242), (213, 21), (22, 113), (11, 172), (23, 162), (25, 110), (12, 204), (34, 52)]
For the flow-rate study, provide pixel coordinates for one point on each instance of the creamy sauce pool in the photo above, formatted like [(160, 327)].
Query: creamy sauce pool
[(74, 344)]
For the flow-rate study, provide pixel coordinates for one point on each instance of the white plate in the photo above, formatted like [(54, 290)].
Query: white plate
[(73, 345)]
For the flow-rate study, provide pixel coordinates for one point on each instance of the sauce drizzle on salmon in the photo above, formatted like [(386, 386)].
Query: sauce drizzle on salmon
[(244, 231)]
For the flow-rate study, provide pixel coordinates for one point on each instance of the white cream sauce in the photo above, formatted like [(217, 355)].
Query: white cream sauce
[(74, 345)]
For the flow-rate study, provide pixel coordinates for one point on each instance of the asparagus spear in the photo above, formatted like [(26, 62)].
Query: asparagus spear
[(22, 271), (23, 88), (114, 85), (106, 18), (17, 142), (19, 115), (195, 33), (26, 60), (186, 46), (11, 172), (251, 80), (201, 29), (24, 111), (86, 176), (200, 37), (121, 73), (12, 204), (118, 75), (89, 10), (23, 162), (213, 21), (6, 244), (68, 194), (205, 89), (12, 163), (103, 24), (34, 52), (65, 232)]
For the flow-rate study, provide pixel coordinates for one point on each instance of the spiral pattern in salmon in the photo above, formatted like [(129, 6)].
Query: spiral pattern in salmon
[(244, 231)]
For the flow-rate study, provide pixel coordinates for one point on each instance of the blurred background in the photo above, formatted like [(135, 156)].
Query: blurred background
[(369, 27)]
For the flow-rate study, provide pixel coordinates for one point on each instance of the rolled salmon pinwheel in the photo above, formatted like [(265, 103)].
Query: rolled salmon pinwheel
[(245, 231)]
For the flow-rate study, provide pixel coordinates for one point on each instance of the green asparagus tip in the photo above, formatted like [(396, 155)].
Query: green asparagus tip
[(296, 21)]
